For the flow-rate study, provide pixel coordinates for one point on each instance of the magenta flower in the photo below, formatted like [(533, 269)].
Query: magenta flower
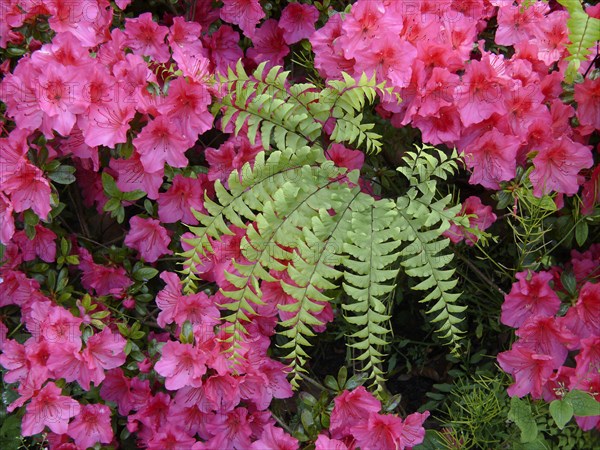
[(147, 38), (350, 408), (182, 365), (298, 21), (530, 296), (587, 95), (41, 245), (183, 195), (557, 166), (269, 45), (379, 431), (245, 13), (49, 408), (7, 221), (274, 438), (530, 370), (28, 188), (161, 141), (132, 176), (344, 157), (149, 238), (324, 443), (91, 425)]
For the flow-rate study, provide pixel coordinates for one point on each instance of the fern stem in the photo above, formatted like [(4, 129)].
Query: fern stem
[(312, 381)]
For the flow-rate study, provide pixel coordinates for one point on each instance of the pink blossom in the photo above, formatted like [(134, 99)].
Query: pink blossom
[(232, 155), (107, 123), (556, 167), (552, 36), (517, 24), (482, 220), (132, 176), (350, 407), (91, 425), (587, 96), (49, 408), (183, 195), (379, 431), (147, 38), (224, 48), (329, 57), (298, 21), (530, 370), (105, 350), (185, 34), (390, 60), (182, 365), (28, 188), (269, 45), (324, 443), (41, 245), (413, 433), (161, 141), (442, 128), (14, 359), (198, 309), (588, 307), (245, 13), (588, 359), (230, 431), (103, 279), (344, 157), (7, 221), (546, 335), (530, 296), (116, 388), (149, 238), (170, 438), (274, 438), (493, 158), (222, 394), (168, 298)]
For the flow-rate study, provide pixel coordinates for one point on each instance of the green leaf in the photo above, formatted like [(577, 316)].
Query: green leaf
[(133, 195), (63, 174), (145, 274), (110, 186), (583, 403), (561, 411), (581, 233)]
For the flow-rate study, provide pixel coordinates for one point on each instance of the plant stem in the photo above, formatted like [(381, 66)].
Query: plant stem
[(479, 273)]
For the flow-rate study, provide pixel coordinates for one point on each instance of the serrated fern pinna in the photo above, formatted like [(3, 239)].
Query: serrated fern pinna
[(328, 234)]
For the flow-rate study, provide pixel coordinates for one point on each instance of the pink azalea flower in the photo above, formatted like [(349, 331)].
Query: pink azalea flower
[(588, 359), (49, 408), (170, 438), (198, 309), (379, 431), (557, 166), (588, 307), (329, 57), (103, 279), (161, 141), (517, 24), (107, 123), (168, 298), (14, 360), (187, 104), (530, 370), (413, 433), (389, 59), (245, 13), (484, 218), (351, 407), (528, 297), (552, 36), (480, 93), (91, 425), (442, 128), (588, 106), (276, 439), (590, 195), (132, 176), (298, 21), (7, 221), (41, 245), (224, 48), (269, 45), (149, 238), (182, 365), (28, 188), (324, 443), (222, 394), (184, 194), (116, 388), (147, 38), (545, 335), (185, 34), (231, 430), (492, 158), (232, 155), (55, 325), (105, 350)]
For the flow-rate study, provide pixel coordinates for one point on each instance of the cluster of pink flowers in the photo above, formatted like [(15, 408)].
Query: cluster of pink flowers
[(499, 112), (549, 345)]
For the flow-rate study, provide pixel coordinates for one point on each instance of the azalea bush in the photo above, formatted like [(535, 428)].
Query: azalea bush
[(247, 224)]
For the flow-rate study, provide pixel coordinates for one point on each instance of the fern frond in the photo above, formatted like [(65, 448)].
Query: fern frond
[(422, 221), (584, 32), (371, 252), (248, 190), (313, 270)]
